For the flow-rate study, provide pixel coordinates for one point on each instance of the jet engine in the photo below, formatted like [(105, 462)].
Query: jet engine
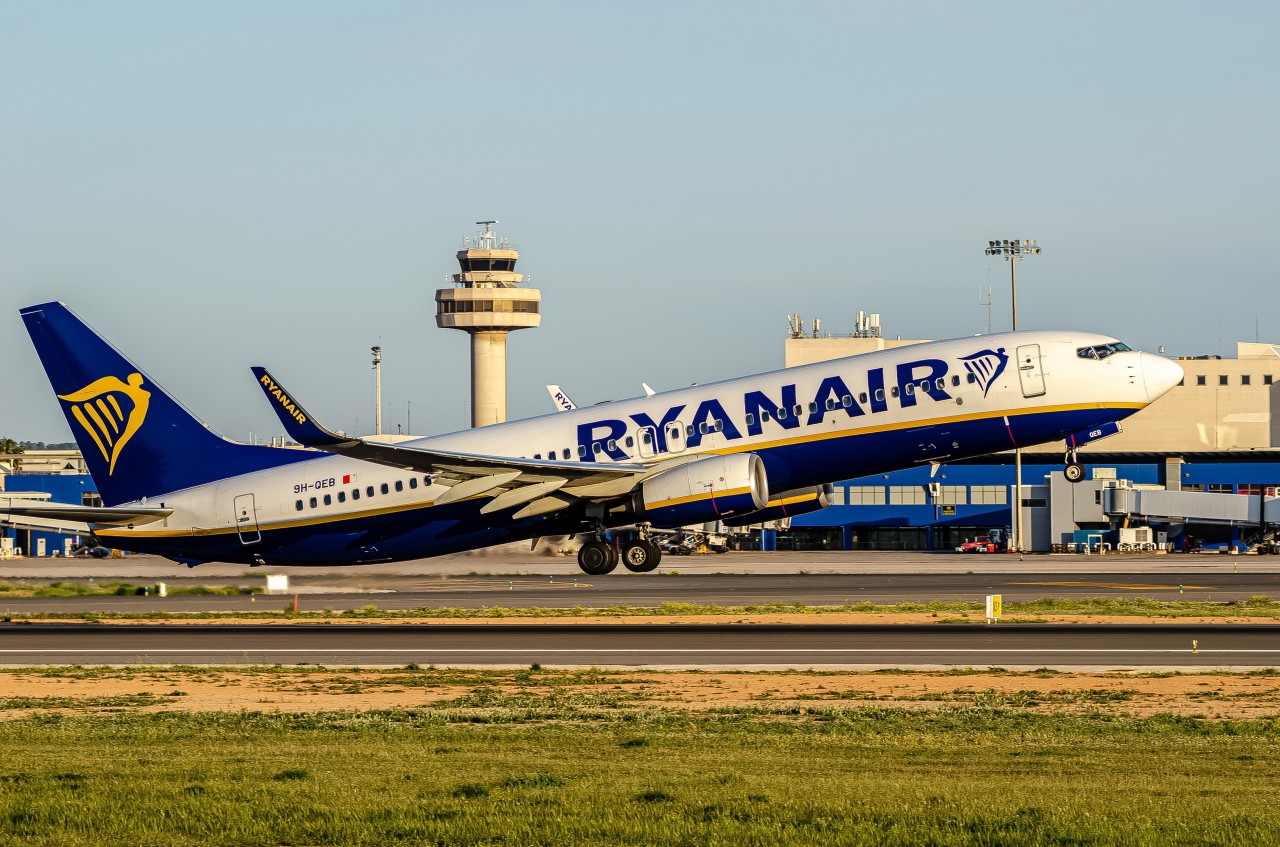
[(788, 504), (710, 489)]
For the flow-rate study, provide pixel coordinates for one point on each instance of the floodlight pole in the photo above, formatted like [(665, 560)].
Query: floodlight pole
[(1013, 250)]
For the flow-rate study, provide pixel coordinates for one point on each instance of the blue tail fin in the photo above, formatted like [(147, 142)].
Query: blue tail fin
[(136, 439)]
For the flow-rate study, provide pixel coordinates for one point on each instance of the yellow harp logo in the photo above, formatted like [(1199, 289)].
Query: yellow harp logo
[(98, 408)]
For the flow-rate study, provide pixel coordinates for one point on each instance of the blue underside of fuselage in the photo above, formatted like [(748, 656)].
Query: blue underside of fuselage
[(439, 530)]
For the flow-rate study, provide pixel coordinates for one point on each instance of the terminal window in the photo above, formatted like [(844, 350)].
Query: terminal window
[(989, 495), (837, 496), (866, 495), (1266, 379), (1244, 379), (952, 495), (1200, 380), (906, 495), (1222, 379)]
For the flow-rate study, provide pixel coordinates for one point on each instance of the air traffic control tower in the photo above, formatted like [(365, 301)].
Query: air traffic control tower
[(487, 302)]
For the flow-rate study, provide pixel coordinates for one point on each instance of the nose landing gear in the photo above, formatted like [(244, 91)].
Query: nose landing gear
[(1074, 470)]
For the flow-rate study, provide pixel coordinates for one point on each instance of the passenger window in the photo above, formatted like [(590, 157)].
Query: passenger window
[(646, 438), (612, 445), (355, 494), (719, 425), (582, 451), (702, 427), (862, 398), (342, 496), (399, 485), (782, 414), (751, 419), (831, 403), (384, 488), (537, 455), (328, 501), (911, 388), (941, 383), (630, 442), (970, 378), (846, 400), (689, 430), (880, 395), (368, 491), (565, 454), (925, 385), (413, 482), (955, 380), (764, 415), (596, 448), (813, 407), (799, 410), (674, 434), (313, 502), (299, 505), (426, 481), (893, 392)]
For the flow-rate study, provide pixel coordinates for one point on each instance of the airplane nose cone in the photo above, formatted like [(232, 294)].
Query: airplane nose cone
[(1159, 374)]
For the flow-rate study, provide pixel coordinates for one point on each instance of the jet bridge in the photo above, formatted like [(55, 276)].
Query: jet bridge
[(1181, 506)]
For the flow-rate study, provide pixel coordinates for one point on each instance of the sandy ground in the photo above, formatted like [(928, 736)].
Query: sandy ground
[(825, 618), (1214, 696)]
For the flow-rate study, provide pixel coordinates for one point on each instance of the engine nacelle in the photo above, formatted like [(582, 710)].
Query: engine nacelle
[(710, 489), (788, 504)]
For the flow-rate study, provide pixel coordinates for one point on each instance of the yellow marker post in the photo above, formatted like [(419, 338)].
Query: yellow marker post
[(994, 609), (1195, 646)]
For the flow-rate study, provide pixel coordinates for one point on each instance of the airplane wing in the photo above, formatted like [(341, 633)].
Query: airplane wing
[(42, 513), (520, 480)]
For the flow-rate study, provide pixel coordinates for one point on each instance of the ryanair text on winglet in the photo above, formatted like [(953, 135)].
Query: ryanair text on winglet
[(283, 399)]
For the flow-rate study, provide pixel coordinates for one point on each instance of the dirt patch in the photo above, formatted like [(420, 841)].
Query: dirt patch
[(1212, 696)]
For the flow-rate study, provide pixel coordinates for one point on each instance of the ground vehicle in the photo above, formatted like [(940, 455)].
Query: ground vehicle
[(982, 544)]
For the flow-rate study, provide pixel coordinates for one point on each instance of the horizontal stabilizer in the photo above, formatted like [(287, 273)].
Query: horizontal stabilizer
[(35, 510)]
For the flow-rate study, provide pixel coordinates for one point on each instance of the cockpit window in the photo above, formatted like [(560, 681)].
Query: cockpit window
[(1102, 351)]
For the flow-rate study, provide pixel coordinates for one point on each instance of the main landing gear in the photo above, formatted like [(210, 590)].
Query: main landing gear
[(598, 556), (1074, 470)]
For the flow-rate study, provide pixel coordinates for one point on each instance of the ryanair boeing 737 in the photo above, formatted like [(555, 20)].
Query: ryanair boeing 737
[(741, 450)]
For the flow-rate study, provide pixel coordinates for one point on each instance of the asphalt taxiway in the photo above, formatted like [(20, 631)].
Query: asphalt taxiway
[(317, 590), (1142, 647)]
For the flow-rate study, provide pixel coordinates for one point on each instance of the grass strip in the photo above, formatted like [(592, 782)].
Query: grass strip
[(1259, 607), (116, 589), (574, 775)]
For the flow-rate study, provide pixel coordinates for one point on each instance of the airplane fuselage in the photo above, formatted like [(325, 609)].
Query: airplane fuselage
[(810, 425)]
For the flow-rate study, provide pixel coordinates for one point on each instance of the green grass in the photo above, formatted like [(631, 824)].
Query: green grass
[(113, 589), (967, 775)]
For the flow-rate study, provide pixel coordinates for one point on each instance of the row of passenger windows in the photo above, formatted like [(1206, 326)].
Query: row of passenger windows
[(369, 491), (781, 414), (1223, 379)]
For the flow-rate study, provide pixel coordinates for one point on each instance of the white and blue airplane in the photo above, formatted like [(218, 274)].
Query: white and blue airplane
[(740, 450)]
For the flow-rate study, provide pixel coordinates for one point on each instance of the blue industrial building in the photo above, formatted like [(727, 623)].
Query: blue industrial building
[(78, 489)]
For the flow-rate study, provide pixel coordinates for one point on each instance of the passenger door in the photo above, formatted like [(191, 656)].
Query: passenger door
[(1030, 374), (246, 515)]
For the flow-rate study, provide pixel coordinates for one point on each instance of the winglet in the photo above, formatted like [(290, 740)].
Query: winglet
[(297, 421)]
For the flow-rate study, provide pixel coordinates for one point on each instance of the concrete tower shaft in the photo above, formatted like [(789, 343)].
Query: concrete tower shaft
[(487, 301)]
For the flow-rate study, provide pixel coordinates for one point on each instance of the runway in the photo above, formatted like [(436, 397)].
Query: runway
[(612, 645), (319, 591)]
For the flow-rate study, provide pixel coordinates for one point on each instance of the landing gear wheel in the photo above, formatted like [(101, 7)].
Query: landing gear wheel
[(641, 556), (1074, 472), (597, 558)]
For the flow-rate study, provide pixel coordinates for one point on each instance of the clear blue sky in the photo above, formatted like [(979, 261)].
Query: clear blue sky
[(225, 184)]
